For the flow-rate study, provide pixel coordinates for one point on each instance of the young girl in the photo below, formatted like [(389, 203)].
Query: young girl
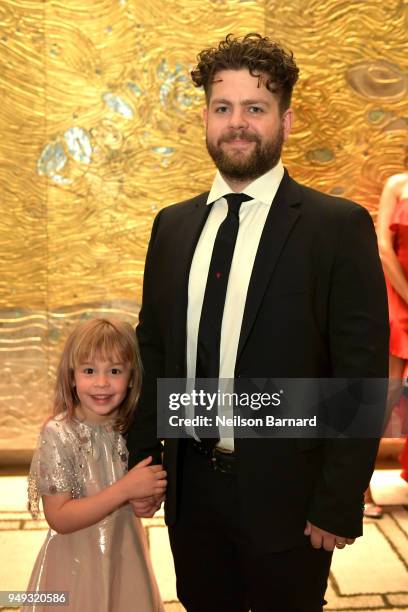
[(95, 548)]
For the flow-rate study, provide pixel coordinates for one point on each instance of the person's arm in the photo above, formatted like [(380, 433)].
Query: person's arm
[(358, 336), (391, 265), (142, 435), (65, 514)]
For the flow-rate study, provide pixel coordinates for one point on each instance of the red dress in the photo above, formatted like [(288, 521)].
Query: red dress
[(397, 306), (398, 309)]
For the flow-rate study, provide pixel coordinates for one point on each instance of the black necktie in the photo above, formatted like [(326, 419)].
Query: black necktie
[(209, 331)]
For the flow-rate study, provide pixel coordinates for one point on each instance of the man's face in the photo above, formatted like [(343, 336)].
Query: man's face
[(245, 130)]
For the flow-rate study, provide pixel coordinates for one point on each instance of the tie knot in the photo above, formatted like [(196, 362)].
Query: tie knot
[(235, 200)]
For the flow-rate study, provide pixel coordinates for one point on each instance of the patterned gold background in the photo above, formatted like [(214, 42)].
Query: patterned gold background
[(100, 127)]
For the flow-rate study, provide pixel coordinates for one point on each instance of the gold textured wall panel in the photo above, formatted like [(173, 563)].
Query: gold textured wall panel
[(100, 127), (351, 102)]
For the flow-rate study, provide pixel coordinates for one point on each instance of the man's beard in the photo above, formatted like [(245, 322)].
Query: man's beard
[(247, 168)]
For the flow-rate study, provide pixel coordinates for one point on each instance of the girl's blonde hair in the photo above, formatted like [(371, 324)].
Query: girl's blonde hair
[(108, 340)]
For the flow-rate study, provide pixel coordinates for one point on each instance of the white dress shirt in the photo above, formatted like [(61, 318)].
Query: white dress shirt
[(252, 217)]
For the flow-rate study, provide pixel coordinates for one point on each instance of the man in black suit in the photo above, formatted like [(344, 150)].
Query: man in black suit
[(253, 522)]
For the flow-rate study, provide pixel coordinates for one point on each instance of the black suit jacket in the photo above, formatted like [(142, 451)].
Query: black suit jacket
[(316, 307)]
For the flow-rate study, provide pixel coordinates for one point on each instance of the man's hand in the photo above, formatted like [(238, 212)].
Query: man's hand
[(320, 538), (148, 506)]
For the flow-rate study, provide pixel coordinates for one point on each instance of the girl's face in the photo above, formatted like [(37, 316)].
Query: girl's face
[(101, 386)]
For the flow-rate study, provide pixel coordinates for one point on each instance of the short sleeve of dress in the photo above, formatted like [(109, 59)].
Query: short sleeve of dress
[(51, 468)]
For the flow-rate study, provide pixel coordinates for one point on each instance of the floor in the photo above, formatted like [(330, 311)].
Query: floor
[(358, 580)]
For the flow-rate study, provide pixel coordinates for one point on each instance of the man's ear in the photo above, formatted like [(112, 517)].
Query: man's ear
[(205, 114), (287, 122)]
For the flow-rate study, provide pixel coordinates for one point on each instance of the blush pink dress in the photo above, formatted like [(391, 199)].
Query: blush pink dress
[(104, 567)]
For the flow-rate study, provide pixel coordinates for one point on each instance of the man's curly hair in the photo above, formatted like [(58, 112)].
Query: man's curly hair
[(259, 54)]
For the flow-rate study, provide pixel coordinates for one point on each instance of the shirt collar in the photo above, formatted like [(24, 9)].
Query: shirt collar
[(263, 188)]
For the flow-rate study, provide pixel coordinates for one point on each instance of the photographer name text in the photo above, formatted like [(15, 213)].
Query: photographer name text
[(239, 421)]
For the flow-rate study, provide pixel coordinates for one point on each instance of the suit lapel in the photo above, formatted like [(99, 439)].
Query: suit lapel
[(188, 233), (279, 223)]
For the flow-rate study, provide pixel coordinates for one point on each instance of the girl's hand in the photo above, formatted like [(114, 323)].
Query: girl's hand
[(66, 515), (144, 480)]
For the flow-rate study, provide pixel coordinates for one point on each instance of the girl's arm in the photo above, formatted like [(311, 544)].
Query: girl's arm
[(66, 515), (391, 265)]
